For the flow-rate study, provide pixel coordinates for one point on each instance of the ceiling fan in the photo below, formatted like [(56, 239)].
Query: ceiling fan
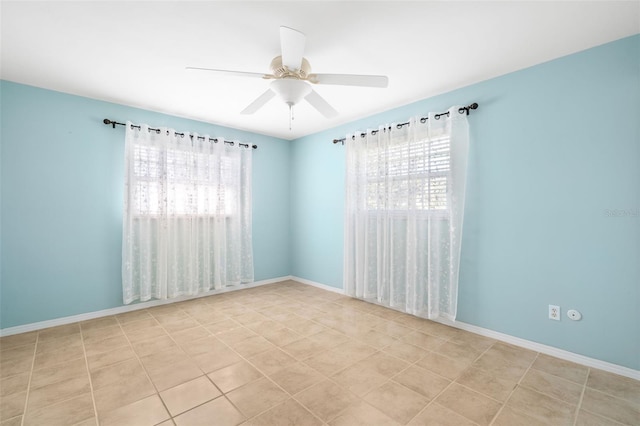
[(292, 78)]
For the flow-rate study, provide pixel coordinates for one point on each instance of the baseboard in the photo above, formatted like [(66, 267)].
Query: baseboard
[(516, 341), (319, 285), (127, 308), (538, 347), (548, 350)]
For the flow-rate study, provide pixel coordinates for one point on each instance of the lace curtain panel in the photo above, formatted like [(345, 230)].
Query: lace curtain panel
[(404, 211), (187, 215)]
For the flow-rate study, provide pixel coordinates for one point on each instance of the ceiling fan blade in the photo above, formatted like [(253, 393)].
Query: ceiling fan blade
[(259, 102), (232, 73), (320, 104), (350, 80), (292, 47)]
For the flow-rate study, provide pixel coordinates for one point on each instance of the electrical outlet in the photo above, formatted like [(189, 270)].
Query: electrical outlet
[(554, 312)]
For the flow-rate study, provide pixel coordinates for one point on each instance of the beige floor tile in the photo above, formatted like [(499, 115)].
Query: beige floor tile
[(393, 329), (160, 360), (305, 328), (68, 370), (287, 413), (329, 338), (145, 412), (437, 415), (60, 331), (405, 351), (468, 403), (252, 346), (209, 362), (140, 324), (384, 364), (97, 334), (558, 367), (296, 377), (57, 392), (512, 354), (326, 399), (396, 401), (281, 337), (422, 381), (271, 361), (14, 384), (265, 326), (56, 357), (188, 395), (220, 409), (184, 337), (250, 318), (234, 376), (235, 335), (586, 418), (511, 417), (109, 358), (102, 346), (461, 353), (116, 373), (14, 421), (330, 362), (9, 342), (148, 347), (542, 407), (208, 344), (423, 340), (475, 341), (442, 365), (375, 338), (133, 316), (221, 327), (69, 412), (256, 397), (553, 386), (608, 406), (487, 383), (97, 323), (362, 414), (615, 385), (12, 405), (303, 348), (180, 324), (122, 393), (359, 379), (175, 374), (13, 366), (142, 334), (496, 366), (167, 423), (73, 340)]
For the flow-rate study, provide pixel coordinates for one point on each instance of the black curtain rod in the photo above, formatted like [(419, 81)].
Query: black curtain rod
[(461, 110), (214, 140)]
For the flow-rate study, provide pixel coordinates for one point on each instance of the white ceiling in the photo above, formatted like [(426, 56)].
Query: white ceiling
[(134, 53)]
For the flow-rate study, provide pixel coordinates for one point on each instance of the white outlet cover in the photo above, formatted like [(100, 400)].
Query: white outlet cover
[(574, 315), (554, 312)]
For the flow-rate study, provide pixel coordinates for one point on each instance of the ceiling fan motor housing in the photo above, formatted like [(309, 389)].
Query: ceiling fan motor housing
[(280, 71)]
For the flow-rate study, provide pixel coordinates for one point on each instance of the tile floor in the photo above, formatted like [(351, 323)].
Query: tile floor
[(291, 354)]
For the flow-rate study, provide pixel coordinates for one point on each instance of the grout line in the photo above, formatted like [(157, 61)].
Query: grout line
[(514, 389), (33, 363), (86, 364), (579, 405)]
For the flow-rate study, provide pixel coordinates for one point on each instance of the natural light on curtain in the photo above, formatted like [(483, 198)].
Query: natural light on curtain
[(187, 214), (403, 214)]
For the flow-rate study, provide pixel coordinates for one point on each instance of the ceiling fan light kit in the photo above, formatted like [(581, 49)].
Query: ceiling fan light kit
[(292, 78)]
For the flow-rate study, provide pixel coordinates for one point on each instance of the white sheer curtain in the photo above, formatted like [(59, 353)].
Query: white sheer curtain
[(404, 209), (187, 214)]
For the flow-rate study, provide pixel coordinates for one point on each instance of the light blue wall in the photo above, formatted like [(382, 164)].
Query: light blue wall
[(553, 148), (61, 215)]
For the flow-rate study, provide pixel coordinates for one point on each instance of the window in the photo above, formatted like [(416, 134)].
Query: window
[(409, 175), (195, 183)]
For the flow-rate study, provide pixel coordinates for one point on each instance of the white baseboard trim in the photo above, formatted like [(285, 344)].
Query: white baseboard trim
[(545, 349), (516, 341), (319, 285), (128, 308)]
